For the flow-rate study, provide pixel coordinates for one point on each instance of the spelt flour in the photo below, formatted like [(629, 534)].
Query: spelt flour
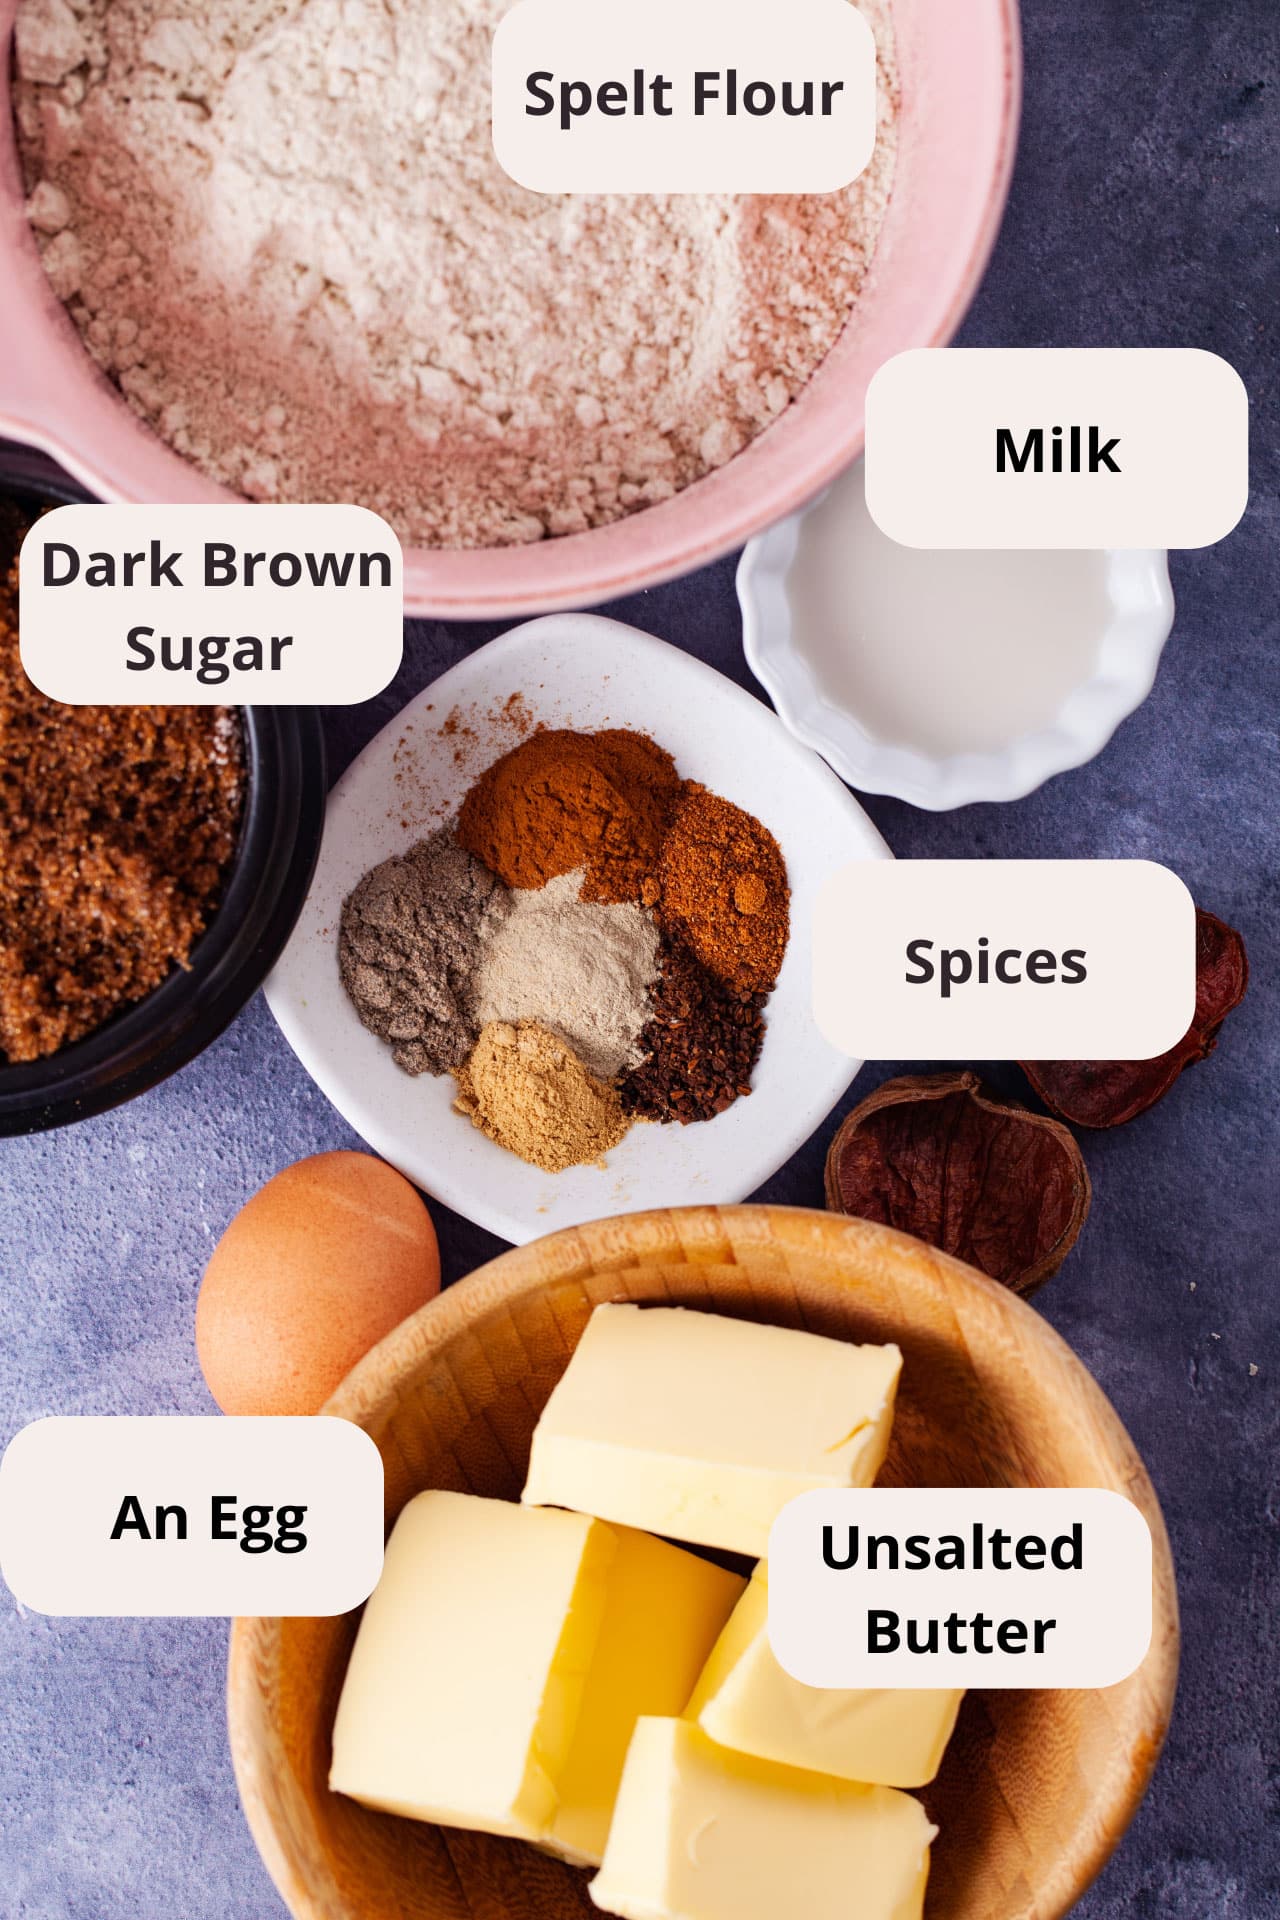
[(280, 227)]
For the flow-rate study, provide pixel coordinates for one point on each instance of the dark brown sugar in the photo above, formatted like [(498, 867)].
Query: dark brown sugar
[(117, 827), (702, 1041)]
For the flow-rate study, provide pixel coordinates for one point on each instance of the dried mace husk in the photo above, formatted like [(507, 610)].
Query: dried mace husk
[(1105, 1093), (941, 1156)]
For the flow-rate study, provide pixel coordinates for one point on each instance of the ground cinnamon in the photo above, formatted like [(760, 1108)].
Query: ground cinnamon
[(562, 800)]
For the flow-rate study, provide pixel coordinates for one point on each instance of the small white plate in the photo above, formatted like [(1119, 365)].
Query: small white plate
[(1140, 602), (583, 671)]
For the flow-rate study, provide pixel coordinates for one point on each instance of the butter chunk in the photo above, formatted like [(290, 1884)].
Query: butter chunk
[(745, 1700), (664, 1609), (463, 1693), (702, 1428), (700, 1833)]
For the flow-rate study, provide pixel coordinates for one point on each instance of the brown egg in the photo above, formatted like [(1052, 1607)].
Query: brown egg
[(322, 1262)]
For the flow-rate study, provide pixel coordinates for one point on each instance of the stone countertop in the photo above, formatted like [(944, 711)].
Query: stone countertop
[(1144, 212)]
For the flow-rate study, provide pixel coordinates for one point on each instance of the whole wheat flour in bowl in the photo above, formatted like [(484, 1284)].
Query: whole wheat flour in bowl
[(280, 228)]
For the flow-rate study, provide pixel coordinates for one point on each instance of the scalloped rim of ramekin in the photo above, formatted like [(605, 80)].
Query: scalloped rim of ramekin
[(1141, 596)]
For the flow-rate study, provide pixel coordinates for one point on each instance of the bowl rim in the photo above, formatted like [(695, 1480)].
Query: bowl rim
[(692, 1235), (277, 847), (1142, 614), (85, 424)]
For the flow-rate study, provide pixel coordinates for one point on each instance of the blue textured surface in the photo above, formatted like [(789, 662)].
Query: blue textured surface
[(1144, 212)]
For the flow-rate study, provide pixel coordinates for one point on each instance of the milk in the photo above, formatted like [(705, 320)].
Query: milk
[(944, 652)]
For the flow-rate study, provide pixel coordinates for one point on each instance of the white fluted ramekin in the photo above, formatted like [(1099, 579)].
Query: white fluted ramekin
[(1141, 616)]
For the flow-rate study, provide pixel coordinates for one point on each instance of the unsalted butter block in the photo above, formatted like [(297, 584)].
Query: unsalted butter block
[(745, 1700), (702, 1428), (463, 1693), (663, 1611), (700, 1833)]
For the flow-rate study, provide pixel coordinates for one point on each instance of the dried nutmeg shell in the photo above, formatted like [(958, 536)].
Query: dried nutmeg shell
[(940, 1156), (1105, 1093)]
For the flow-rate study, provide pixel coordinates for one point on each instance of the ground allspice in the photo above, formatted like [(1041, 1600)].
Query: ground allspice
[(117, 827)]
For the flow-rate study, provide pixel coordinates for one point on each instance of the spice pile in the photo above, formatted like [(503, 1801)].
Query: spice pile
[(117, 826), (593, 941), (229, 199)]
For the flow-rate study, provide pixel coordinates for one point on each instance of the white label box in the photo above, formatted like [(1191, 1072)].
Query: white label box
[(960, 1587), (669, 98), (1057, 447), (209, 1515), (1004, 960), (211, 605)]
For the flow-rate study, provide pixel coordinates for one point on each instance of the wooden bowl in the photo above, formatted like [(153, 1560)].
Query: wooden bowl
[(1036, 1788)]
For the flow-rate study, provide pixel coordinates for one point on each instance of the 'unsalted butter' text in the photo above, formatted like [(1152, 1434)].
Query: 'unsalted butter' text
[(928, 1587)]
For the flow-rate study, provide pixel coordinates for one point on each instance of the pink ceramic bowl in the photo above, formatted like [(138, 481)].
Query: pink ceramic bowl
[(960, 76)]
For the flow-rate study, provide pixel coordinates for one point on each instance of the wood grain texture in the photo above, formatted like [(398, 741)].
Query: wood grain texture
[(1036, 1788)]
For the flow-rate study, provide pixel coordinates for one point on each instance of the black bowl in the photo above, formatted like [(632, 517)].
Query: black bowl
[(266, 885)]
